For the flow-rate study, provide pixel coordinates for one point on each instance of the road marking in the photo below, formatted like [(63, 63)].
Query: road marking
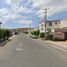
[(20, 47)]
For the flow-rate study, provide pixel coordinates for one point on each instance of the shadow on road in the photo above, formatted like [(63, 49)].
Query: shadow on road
[(5, 42)]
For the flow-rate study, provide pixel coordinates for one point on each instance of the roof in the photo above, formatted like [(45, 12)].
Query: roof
[(42, 21), (50, 21)]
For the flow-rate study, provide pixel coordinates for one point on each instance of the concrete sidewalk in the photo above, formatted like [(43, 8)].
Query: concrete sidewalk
[(6, 50), (3, 43), (62, 45), (59, 44)]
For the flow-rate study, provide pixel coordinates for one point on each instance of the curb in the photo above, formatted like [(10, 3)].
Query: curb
[(5, 42)]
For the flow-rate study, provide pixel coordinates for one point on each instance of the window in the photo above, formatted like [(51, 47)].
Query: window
[(50, 24)]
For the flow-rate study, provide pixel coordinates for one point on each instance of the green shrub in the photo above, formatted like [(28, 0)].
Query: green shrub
[(37, 32), (4, 34), (1, 34), (42, 35)]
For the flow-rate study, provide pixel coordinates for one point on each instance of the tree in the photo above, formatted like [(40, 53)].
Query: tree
[(8, 34), (37, 32), (4, 34), (42, 35)]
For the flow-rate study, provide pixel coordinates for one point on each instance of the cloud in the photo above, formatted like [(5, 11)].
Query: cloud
[(22, 9), (15, 17), (54, 5), (13, 2), (14, 12), (27, 22), (3, 11), (18, 9)]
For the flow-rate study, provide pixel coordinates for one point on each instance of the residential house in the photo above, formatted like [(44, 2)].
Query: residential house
[(52, 25), (42, 26), (59, 34)]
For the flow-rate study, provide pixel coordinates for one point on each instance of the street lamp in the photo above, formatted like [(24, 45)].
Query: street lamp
[(0, 24)]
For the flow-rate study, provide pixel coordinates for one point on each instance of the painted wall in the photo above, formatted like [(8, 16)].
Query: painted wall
[(42, 27)]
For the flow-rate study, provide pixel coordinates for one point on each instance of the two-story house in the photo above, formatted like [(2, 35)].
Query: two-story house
[(52, 25)]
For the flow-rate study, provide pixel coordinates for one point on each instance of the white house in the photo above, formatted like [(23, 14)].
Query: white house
[(52, 25), (42, 26), (63, 23)]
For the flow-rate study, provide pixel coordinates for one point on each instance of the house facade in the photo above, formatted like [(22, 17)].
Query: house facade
[(52, 25), (42, 26), (63, 24)]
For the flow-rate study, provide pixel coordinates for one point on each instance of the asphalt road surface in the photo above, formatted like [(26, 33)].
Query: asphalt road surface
[(23, 51)]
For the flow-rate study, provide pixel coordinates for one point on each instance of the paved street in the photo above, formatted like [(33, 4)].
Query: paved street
[(23, 51)]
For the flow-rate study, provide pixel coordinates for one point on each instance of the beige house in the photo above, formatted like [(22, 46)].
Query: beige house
[(63, 23), (52, 25)]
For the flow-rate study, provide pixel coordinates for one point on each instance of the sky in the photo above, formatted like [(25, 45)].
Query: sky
[(22, 13)]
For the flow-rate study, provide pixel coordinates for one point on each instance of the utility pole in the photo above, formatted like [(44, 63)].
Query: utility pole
[(45, 19)]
